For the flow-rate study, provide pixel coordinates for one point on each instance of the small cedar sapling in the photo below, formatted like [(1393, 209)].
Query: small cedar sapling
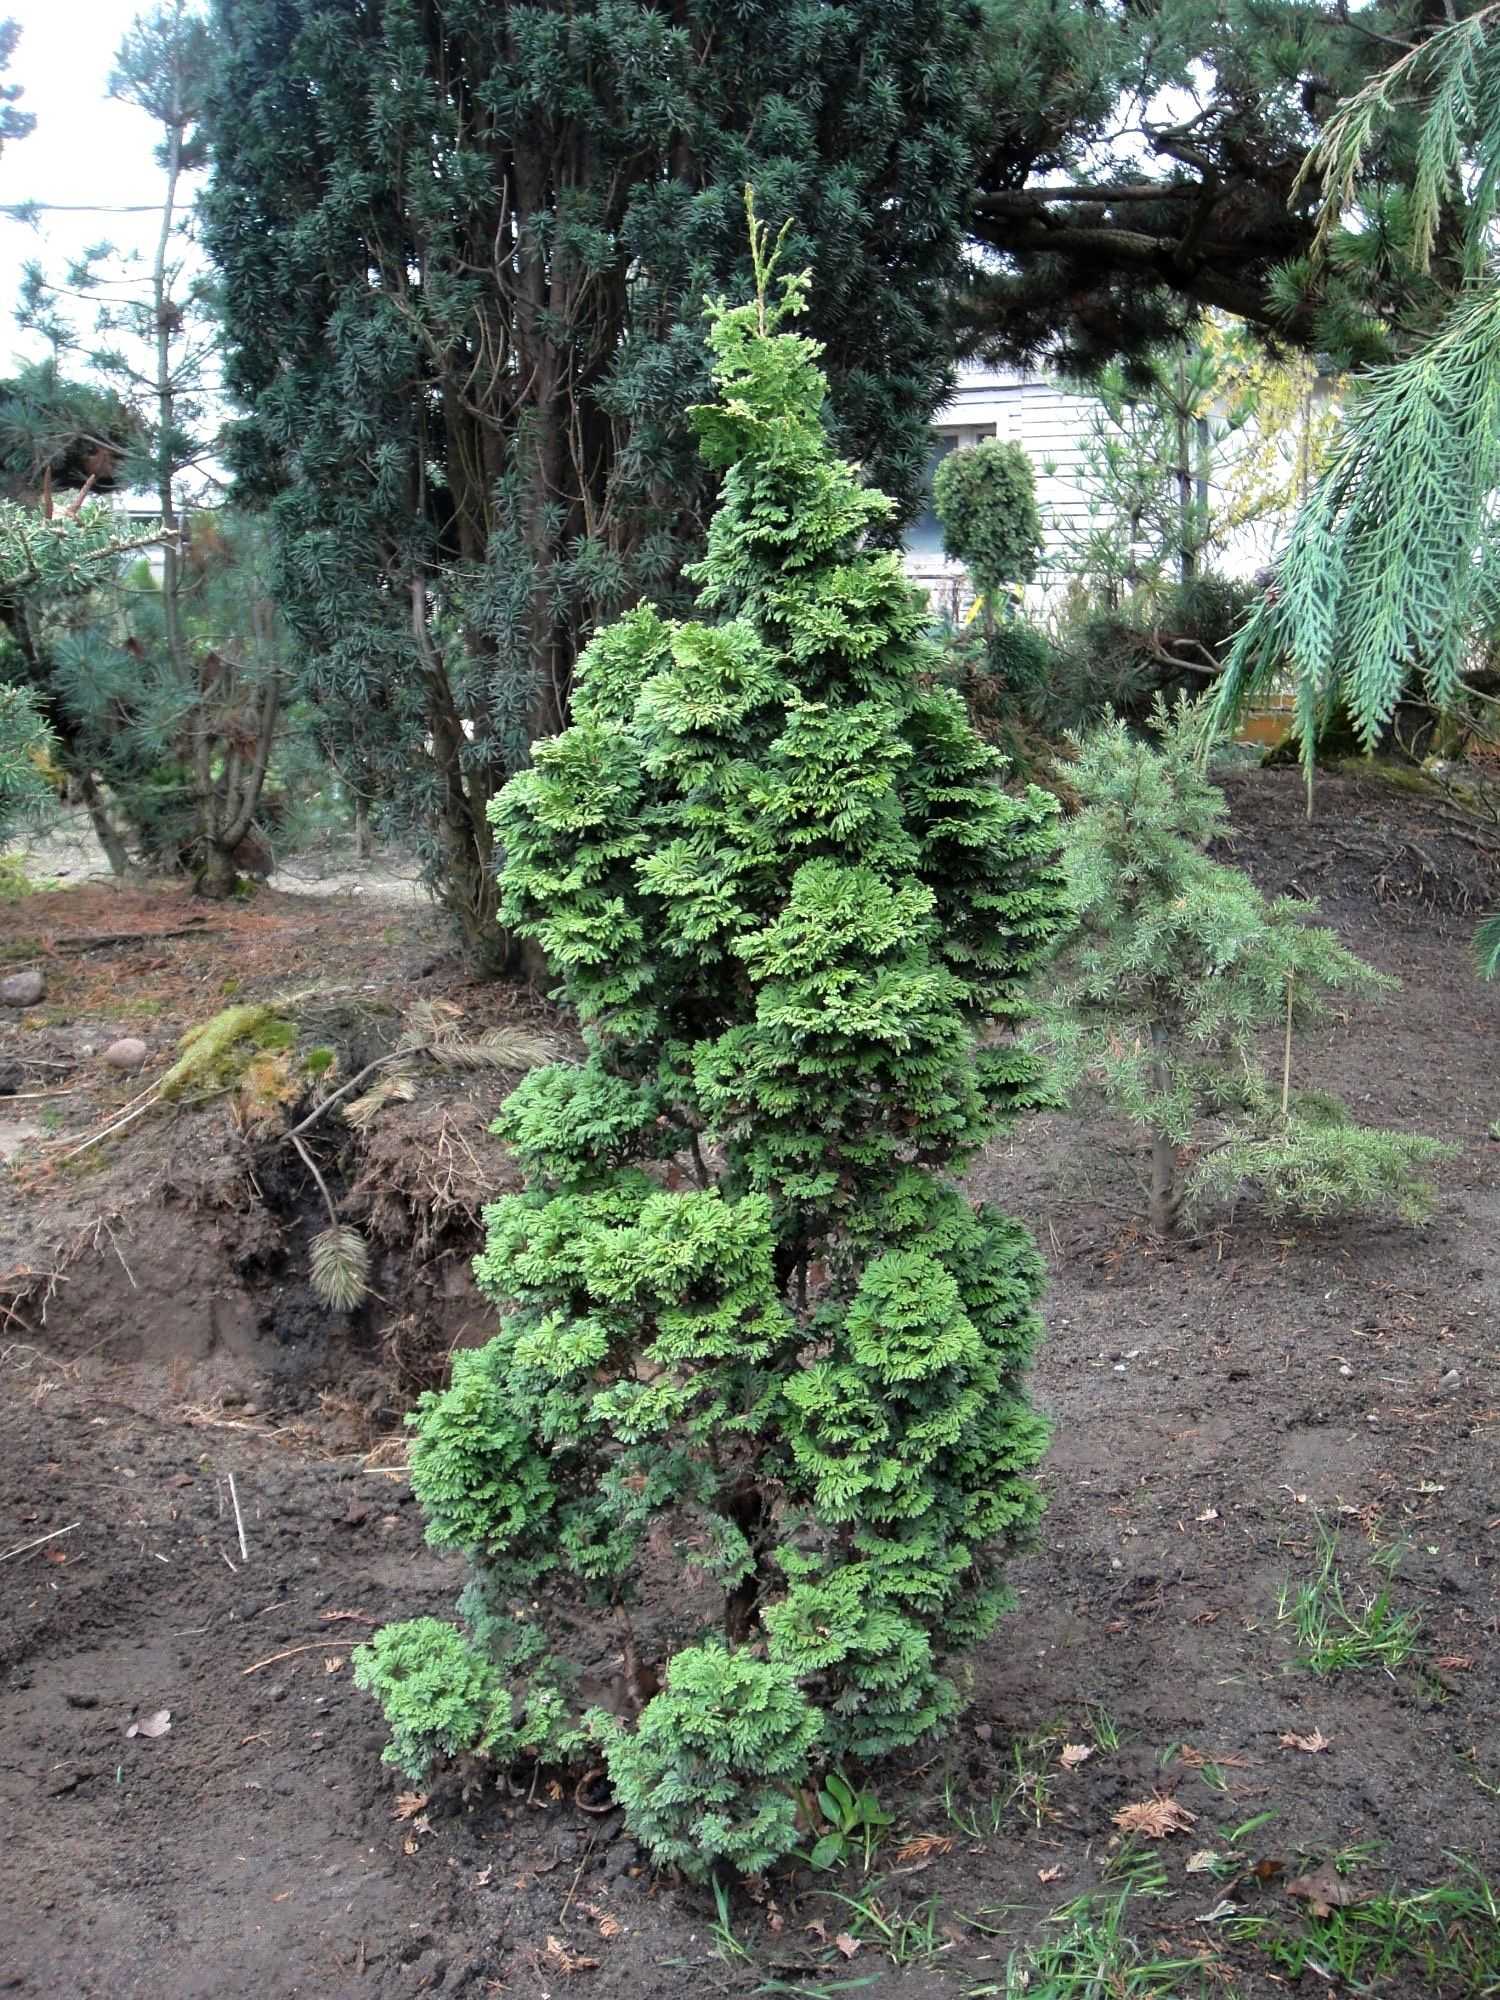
[(985, 500), (1176, 970), (738, 1475)]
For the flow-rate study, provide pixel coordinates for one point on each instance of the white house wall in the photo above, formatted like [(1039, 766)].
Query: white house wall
[(1052, 427)]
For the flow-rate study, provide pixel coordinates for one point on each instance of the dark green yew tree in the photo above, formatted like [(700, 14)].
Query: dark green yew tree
[(753, 1431), (464, 245)]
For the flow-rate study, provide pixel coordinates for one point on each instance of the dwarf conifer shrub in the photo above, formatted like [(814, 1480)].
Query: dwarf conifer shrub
[(1176, 969), (747, 1454), (985, 499)]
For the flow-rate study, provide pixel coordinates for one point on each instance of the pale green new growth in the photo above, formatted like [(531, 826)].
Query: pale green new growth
[(710, 1774)]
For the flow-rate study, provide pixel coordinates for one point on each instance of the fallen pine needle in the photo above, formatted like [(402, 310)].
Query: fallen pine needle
[(239, 1520), (24, 1546), (312, 1646)]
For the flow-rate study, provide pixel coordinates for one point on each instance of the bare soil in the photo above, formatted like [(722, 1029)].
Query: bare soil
[(1219, 1403)]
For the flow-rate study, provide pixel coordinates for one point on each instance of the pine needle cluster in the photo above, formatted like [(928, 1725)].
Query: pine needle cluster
[(751, 1446), (1389, 574)]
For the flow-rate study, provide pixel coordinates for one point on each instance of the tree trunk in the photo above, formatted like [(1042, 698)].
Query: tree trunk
[(1165, 1200), (748, 1510), (364, 845), (467, 887), (1166, 1197), (217, 877), (106, 832)]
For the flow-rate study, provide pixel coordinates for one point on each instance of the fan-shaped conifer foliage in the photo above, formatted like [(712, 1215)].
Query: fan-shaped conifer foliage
[(757, 1393)]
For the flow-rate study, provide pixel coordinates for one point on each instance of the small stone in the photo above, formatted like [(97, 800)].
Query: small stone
[(1451, 1381), (23, 989), (127, 1053)]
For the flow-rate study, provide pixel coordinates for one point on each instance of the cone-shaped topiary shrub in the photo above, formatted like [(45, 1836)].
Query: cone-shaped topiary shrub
[(744, 1461)]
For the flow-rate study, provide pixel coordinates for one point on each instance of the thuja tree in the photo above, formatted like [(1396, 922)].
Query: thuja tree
[(985, 499), (754, 1420), (1177, 968), (464, 244)]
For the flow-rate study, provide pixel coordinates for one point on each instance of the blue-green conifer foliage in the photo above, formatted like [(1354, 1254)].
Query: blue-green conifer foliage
[(754, 1424)]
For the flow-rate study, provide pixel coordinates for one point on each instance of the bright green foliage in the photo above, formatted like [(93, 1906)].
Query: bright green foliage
[(472, 1467), (1177, 967), (439, 1695), (465, 246), (709, 1775), (755, 1343), (853, 1821), (985, 498)]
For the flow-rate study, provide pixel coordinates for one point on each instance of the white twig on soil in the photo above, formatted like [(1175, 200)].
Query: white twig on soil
[(232, 1570), (24, 1546), (312, 1167), (239, 1520)]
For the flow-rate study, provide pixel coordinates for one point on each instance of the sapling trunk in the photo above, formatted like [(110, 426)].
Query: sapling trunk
[(1166, 1197)]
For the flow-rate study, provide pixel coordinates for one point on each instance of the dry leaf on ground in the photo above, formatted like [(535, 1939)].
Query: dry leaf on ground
[(156, 1724), (1324, 1890), (332, 1663), (1155, 1818), (1073, 1754), (924, 1847), (560, 1959), (408, 1805), (1052, 1874), (1312, 1742), (1202, 1863), (846, 1944), (1196, 1759), (1454, 1663)]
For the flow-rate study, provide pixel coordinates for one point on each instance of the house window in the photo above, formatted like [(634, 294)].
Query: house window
[(925, 536)]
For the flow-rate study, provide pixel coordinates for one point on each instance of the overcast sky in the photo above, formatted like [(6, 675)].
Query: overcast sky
[(86, 149)]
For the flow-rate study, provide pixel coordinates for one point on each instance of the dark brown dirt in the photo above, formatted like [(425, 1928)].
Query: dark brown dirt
[(1217, 1403)]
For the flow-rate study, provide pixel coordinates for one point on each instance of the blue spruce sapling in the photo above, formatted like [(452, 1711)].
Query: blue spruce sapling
[(1175, 970)]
